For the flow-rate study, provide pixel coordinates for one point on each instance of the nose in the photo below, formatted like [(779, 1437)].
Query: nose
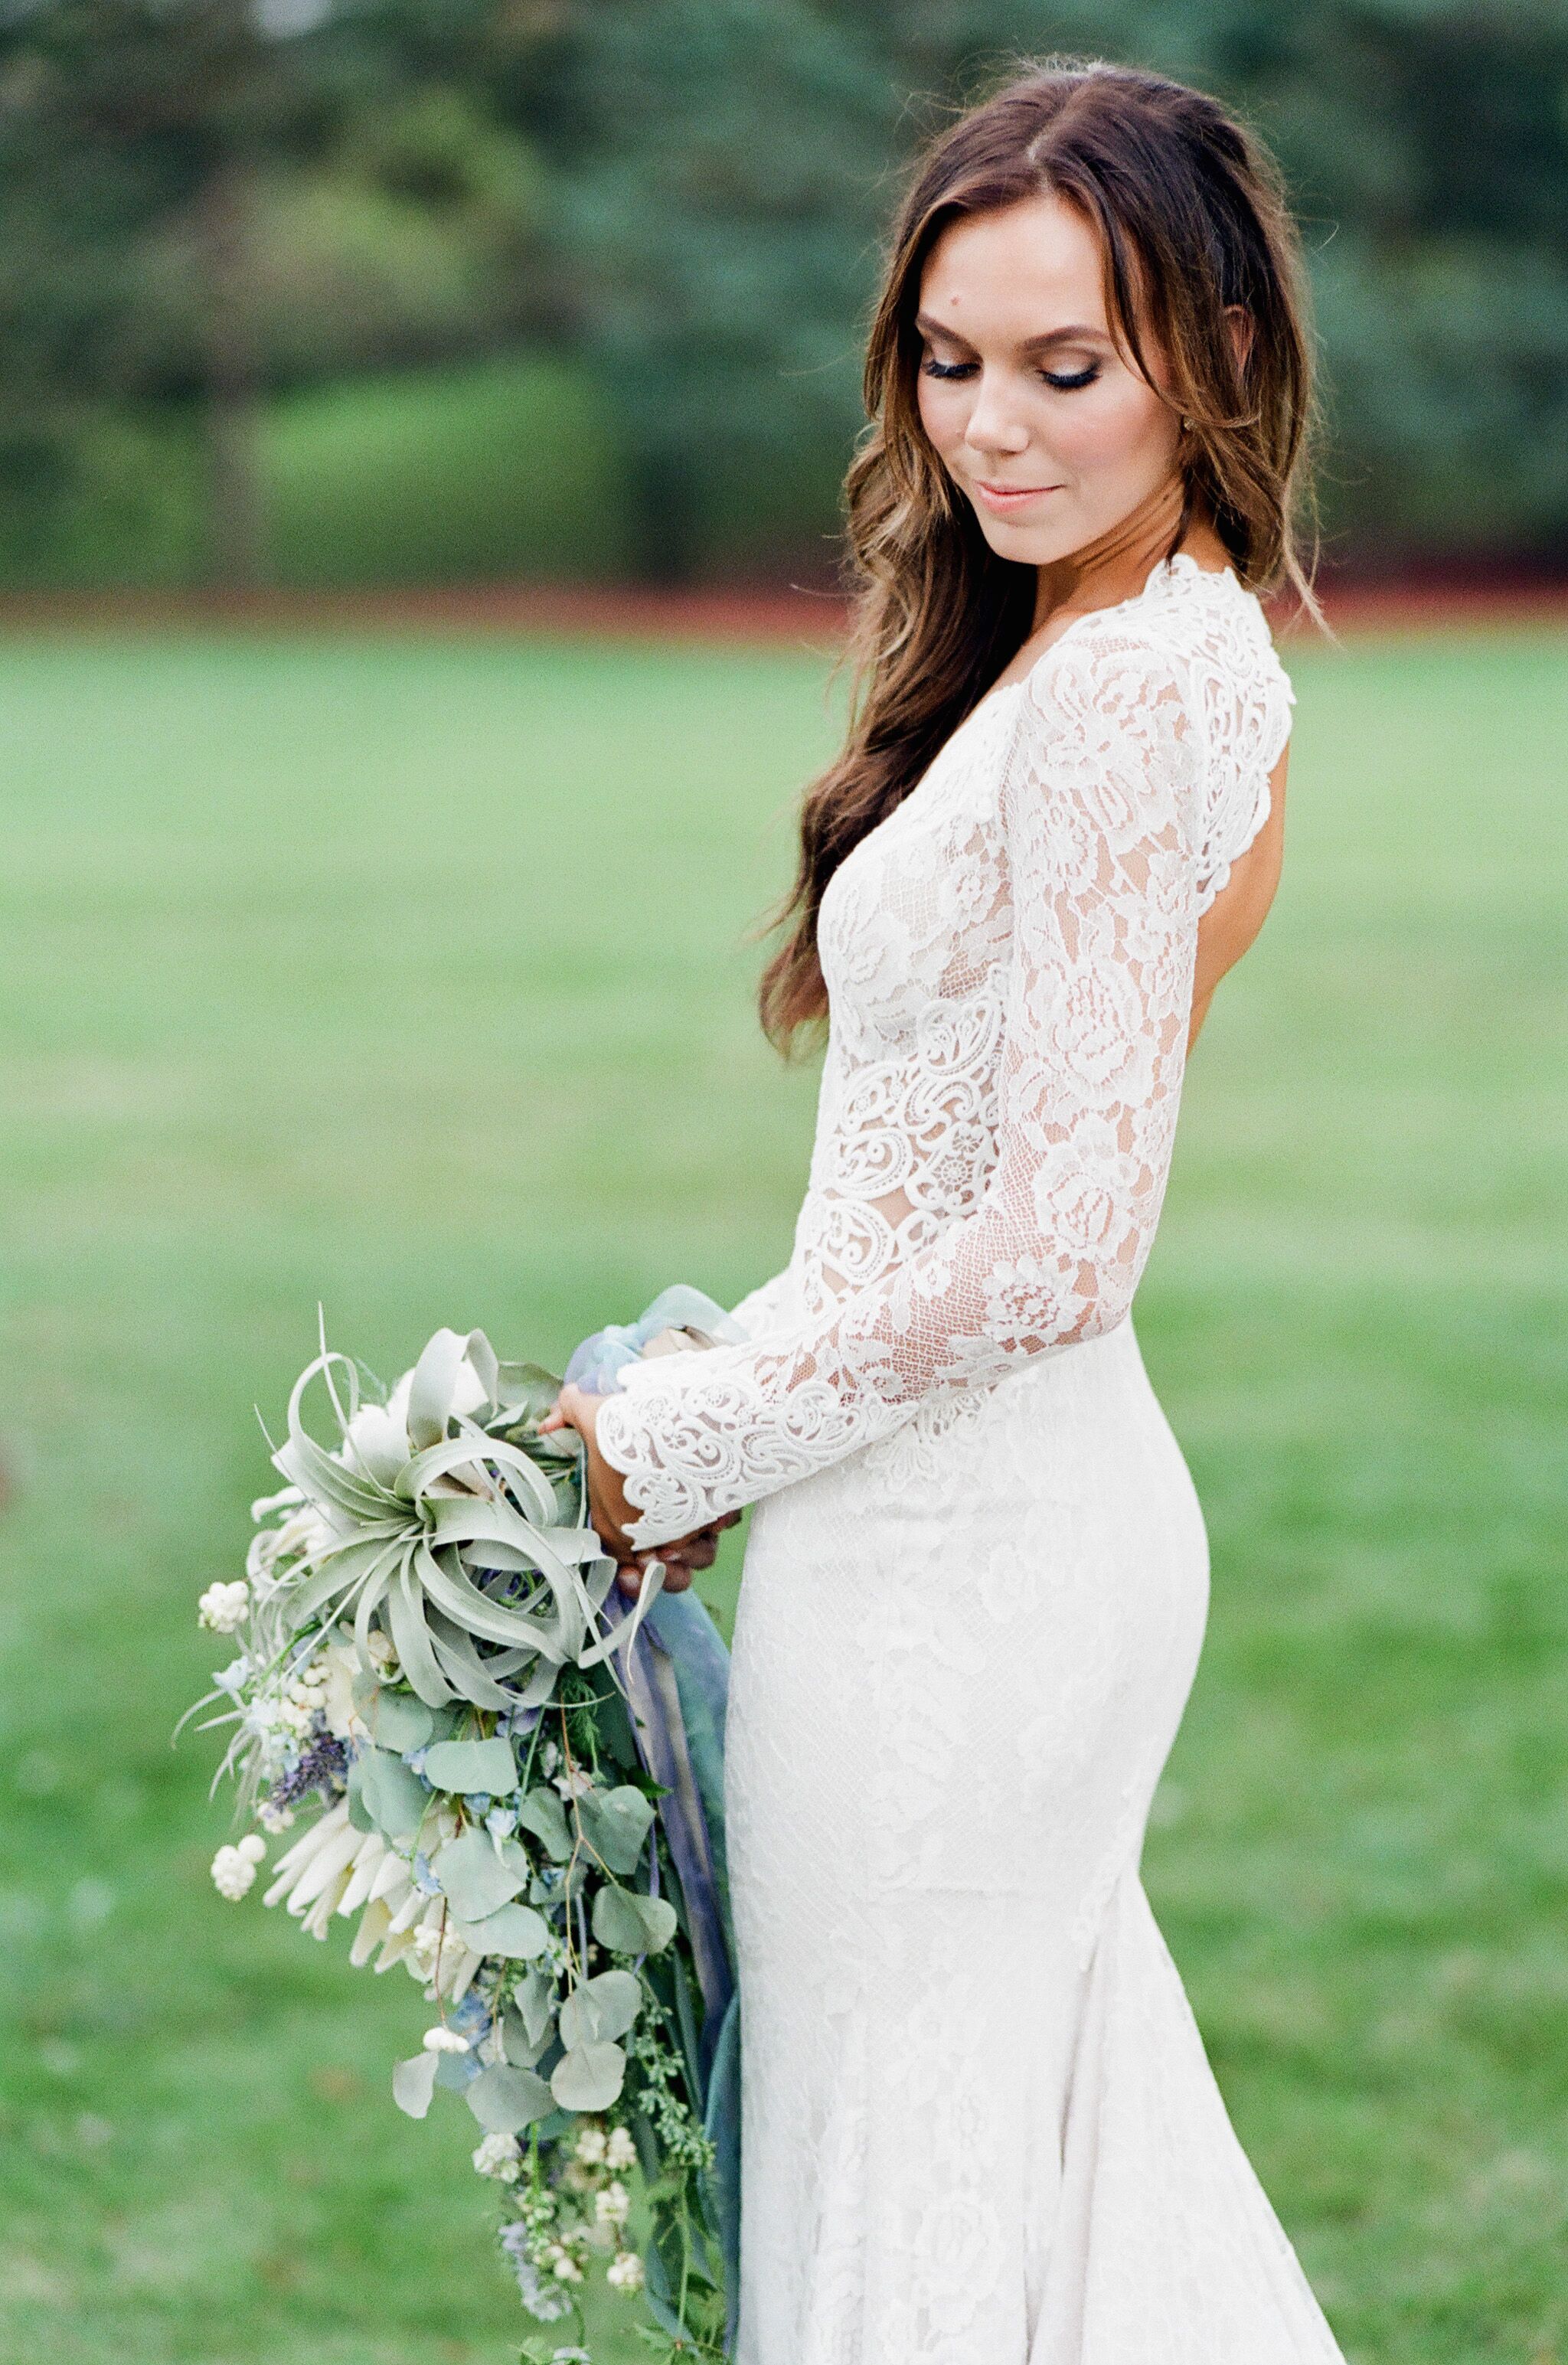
[(994, 425)]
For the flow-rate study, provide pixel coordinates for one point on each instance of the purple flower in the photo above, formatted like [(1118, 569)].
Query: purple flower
[(322, 1766)]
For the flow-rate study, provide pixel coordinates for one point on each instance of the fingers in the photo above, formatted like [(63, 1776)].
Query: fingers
[(630, 1575)]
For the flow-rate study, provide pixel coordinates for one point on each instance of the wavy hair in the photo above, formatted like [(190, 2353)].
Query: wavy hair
[(1191, 221)]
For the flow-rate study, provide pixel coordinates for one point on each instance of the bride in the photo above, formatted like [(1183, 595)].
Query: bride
[(979, 2125)]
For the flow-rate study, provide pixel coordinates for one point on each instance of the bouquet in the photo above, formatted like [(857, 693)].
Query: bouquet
[(510, 1781)]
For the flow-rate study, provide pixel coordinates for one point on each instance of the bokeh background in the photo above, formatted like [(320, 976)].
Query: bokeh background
[(373, 930)]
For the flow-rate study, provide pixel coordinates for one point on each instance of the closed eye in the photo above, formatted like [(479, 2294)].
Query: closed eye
[(1061, 381)]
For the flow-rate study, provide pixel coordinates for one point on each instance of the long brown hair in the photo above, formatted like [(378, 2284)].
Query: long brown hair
[(1191, 221)]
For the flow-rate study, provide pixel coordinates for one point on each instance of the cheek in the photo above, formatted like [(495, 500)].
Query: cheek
[(1118, 427), (943, 408)]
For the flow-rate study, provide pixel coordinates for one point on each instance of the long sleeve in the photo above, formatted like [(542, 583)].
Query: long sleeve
[(1094, 809), (762, 1308)]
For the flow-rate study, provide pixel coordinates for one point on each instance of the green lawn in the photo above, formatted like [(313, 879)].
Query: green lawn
[(413, 977)]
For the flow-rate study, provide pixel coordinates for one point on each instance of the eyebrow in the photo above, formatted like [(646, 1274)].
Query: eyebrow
[(1077, 334)]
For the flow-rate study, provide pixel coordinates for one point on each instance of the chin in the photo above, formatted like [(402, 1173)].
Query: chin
[(1030, 546)]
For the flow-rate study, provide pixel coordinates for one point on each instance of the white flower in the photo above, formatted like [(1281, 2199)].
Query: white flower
[(624, 2272), (444, 2040), (234, 1868), (574, 1782), (333, 1674), (273, 1819), (562, 2264), (613, 2206), (620, 2151), (225, 1608), (590, 2146), (376, 1443), (498, 2156)]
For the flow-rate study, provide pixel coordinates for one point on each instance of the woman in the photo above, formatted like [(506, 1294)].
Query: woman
[(978, 2126)]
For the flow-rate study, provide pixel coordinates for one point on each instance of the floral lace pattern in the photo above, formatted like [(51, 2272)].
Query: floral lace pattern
[(1009, 958), (978, 2127)]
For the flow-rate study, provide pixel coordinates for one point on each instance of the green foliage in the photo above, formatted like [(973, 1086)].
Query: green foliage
[(206, 202), (492, 470)]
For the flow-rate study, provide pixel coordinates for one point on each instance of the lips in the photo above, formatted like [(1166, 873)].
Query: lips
[(1011, 497)]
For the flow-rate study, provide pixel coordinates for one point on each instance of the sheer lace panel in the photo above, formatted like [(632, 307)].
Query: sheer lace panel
[(1011, 975)]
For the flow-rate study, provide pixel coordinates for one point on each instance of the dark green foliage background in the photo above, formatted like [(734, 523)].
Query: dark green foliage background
[(677, 205)]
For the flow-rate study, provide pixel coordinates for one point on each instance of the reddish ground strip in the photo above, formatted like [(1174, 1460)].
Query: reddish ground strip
[(779, 615)]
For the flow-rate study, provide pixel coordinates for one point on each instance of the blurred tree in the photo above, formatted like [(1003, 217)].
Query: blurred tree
[(216, 196), (210, 200), (718, 171)]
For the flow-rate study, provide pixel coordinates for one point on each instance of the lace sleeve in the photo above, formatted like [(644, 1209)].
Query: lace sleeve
[(1094, 807), (763, 1310)]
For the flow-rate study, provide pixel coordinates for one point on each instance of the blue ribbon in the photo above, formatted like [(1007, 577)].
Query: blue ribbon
[(677, 1676)]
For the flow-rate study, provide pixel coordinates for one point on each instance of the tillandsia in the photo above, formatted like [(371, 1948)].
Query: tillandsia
[(513, 1785)]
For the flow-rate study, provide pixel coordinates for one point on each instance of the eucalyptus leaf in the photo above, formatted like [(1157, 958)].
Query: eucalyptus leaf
[(520, 2049), (600, 2009), (615, 1824), (463, 1766), (534, 1999), (514, 1932), (395, 1798), (398, 1720), (413, 2084), (542, 1813), (474, 1878), (619, 1998), (630, 1924), (587, 2077), (580, 2021), (456, 2070), (505, 2099)]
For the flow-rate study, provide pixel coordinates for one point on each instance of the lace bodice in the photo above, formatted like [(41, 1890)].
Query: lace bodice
[(1009, 961)]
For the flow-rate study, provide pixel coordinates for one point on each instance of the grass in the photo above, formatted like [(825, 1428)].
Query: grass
[(412, 978)]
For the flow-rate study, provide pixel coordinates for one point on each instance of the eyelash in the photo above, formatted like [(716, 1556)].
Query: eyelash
[(1059, 381)]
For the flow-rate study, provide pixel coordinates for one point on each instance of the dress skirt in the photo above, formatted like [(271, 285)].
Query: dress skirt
[(978, 2125)]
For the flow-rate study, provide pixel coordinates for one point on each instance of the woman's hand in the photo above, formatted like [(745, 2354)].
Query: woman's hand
[(612, 1513)]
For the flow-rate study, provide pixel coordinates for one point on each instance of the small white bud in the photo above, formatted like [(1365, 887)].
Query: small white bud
[(499, 2156), (444, 2040), (223, 1608), (233, 1874), (624, 2272), (613, 2206)]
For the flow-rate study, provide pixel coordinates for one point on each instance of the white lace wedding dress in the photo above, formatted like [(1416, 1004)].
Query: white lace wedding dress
[(979, 2127)]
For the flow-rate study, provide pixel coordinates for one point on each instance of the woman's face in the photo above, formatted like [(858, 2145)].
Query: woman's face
[(1044, 424)]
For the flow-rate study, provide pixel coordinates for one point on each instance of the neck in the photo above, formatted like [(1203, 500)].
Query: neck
[(1118, 564)]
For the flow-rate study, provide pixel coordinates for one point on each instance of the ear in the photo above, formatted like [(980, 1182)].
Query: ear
[(1239, 320)]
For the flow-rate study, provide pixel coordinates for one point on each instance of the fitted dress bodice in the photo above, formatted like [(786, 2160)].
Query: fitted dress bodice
[(1008, 958)]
